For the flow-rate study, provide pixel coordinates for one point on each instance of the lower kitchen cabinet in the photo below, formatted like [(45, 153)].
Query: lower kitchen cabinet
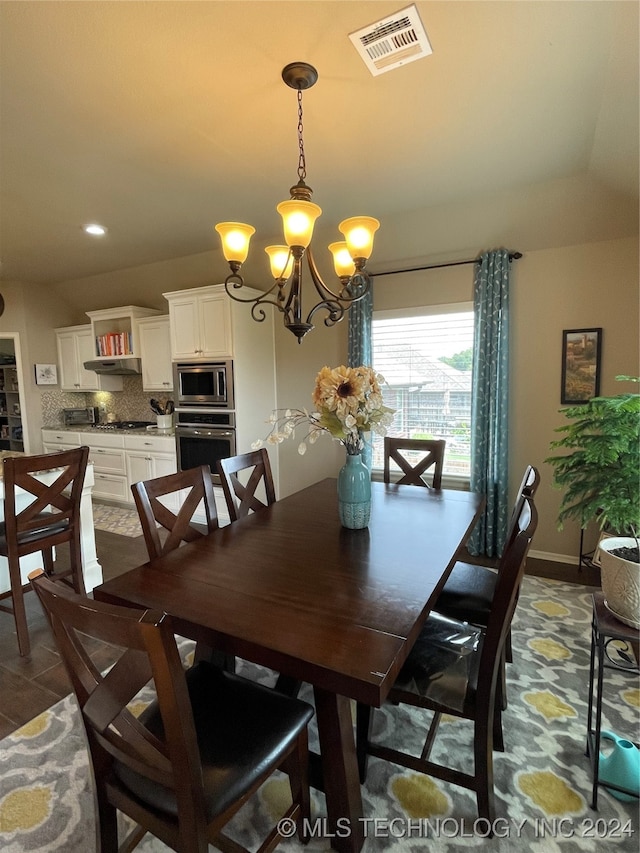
[(119, 459), (148, 458), (107, 453)]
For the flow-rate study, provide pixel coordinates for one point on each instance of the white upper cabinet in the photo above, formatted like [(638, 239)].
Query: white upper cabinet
[(115, 331), (200, 323), (75, 346), (155, 352)]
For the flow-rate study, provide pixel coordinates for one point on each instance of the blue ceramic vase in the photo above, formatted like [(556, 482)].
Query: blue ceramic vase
[(621, 767), (354, 493)]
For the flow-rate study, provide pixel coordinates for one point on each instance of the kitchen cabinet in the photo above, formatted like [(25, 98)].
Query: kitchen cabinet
[(200, 323), (115, 331), (106, 451), (55, 440), (155, 352), (75, 346), (151, 457), (119, 459)]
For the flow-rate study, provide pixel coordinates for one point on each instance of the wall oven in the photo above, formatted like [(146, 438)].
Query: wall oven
[(203, 437), (204, 384)]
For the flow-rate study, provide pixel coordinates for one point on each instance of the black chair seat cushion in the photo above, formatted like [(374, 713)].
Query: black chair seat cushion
[(241, 727), (49, 528), (443, 664), (468, 593)]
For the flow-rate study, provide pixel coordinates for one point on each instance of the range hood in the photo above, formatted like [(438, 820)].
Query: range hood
[(115, 366)]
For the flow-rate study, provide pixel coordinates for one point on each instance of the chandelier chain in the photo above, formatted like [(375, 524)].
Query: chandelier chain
[(302, 165)]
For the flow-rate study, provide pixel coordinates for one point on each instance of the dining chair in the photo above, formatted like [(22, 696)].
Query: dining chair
[(40, 517), (412, 473), (241, 499), (469, 590), (454, 668), (196, 753), (240, 494), (198, 489)]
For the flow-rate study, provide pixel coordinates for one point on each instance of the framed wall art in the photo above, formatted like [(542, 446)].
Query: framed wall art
[(581, 352), (46, 374)]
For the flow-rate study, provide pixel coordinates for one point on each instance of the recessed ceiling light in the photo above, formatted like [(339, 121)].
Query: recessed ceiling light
[(95, 230)]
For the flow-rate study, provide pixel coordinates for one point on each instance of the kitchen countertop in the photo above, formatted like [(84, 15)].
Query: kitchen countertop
[(95, 431)]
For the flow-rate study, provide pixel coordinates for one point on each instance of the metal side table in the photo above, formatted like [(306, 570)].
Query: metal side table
[(606, 630)]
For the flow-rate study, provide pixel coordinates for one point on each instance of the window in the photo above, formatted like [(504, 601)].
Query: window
[(425, 356)]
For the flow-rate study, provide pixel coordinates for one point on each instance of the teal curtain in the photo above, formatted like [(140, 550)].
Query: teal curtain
[(359, 344), (490, 400)]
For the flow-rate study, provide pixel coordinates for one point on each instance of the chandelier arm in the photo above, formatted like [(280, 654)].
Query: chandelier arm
[(236, 282), (335, 312), (359, 280)]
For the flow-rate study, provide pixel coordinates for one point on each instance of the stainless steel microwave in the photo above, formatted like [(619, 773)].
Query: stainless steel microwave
[(204, 384)]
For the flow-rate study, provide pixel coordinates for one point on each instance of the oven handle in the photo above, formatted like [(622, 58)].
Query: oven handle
[(217, 433)]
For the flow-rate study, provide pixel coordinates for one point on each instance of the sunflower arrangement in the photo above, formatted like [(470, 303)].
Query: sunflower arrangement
[(348, 403)]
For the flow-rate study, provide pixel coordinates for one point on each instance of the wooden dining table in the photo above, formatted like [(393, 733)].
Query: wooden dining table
[(289, 588)]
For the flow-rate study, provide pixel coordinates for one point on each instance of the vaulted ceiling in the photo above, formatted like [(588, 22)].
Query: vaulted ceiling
[(159, 119)]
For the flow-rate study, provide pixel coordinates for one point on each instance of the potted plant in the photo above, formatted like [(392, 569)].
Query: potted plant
[(598, 465)]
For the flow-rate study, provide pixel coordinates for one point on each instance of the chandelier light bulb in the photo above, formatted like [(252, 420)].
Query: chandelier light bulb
[(358, 232), (235, 238), (280, 260), (342, 260), (298, 219)]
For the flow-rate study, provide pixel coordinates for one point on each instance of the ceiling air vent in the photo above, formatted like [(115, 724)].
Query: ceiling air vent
[(392, 42)]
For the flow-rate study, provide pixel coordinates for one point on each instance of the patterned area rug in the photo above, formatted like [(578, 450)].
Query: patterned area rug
[(116, 519), (542, 781)]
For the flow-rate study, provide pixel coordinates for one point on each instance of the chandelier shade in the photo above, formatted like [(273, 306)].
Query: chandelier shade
[(235, 238), (298, 219), (342, 260), (299, 215), (280, 260)]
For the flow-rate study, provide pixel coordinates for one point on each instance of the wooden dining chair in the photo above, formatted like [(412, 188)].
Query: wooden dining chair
[(469, 590), (194, 756), (240, 494), (454, 668), (40, 517), (198, 490), (413, 473)]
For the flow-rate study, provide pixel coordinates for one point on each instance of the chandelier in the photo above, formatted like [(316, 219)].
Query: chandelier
[(299, 214)]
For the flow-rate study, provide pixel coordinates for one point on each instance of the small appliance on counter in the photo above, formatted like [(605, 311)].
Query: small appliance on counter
[(78, 417)]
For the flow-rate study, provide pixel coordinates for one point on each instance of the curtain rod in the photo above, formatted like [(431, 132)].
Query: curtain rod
[(513, 256)]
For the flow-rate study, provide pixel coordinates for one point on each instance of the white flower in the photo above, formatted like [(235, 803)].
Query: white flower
[(256, 445), (302, 448)]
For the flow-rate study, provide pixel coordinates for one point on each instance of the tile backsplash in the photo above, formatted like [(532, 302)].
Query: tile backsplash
[(132, 403)]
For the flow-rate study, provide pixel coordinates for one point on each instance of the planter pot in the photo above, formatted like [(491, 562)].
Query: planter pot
[(620, 580)]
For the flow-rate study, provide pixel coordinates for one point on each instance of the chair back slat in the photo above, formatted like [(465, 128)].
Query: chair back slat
[(412, 473), (240, 494), (197, 484)]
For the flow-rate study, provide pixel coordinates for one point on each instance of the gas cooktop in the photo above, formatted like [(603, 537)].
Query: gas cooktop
[(124, 425)]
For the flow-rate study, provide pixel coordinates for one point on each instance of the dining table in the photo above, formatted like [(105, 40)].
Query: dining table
[(289, 588)]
